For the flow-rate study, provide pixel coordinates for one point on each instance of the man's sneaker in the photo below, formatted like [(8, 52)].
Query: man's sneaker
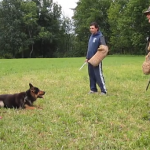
[(103, 94), (92, 92)]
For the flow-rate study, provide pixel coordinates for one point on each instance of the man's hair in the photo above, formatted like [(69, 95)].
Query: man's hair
[(95, 25)]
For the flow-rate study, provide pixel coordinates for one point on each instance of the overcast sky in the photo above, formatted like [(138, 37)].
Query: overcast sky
[(66, 5)]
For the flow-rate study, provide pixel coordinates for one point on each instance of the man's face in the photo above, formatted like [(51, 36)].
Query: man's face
[(148, 17), (93, 30)]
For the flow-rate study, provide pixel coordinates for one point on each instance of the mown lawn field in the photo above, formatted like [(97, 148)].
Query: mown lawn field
[(71, 119)]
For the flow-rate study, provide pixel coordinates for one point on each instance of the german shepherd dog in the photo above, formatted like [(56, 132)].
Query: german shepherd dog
[(23, 100)]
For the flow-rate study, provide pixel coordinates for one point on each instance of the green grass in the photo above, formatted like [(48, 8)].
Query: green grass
[(71, 119)]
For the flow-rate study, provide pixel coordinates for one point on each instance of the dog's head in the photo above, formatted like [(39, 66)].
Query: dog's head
[(36, 92)]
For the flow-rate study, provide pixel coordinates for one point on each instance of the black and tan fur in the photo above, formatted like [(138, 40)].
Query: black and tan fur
[(22, 100)]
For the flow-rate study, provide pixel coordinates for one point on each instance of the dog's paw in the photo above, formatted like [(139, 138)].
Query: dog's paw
[(39, 107), (1, 104)]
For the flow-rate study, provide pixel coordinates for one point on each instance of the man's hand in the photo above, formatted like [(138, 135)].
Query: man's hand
[(86, 60)]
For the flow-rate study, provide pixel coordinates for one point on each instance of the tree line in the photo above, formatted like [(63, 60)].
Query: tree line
[(37, 28), (33, 28), (121, 21)]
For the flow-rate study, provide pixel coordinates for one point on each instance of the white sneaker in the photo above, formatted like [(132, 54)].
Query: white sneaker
[(92, 92), (103, 94)]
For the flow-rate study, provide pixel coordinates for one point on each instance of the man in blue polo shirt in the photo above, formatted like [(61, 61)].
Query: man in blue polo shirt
[(95, 73)]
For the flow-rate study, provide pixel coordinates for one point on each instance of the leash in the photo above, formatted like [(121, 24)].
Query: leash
[(148, 85), (27, 100), (83, 65)]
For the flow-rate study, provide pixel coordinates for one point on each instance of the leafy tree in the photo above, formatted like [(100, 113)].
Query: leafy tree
[(29, 23), (118, 41), (135, 23), (10, 23), (33, 29), (50, 25), (127, 26), (86, 12)]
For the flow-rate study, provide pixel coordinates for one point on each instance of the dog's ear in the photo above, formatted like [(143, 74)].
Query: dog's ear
[(30, 85)]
